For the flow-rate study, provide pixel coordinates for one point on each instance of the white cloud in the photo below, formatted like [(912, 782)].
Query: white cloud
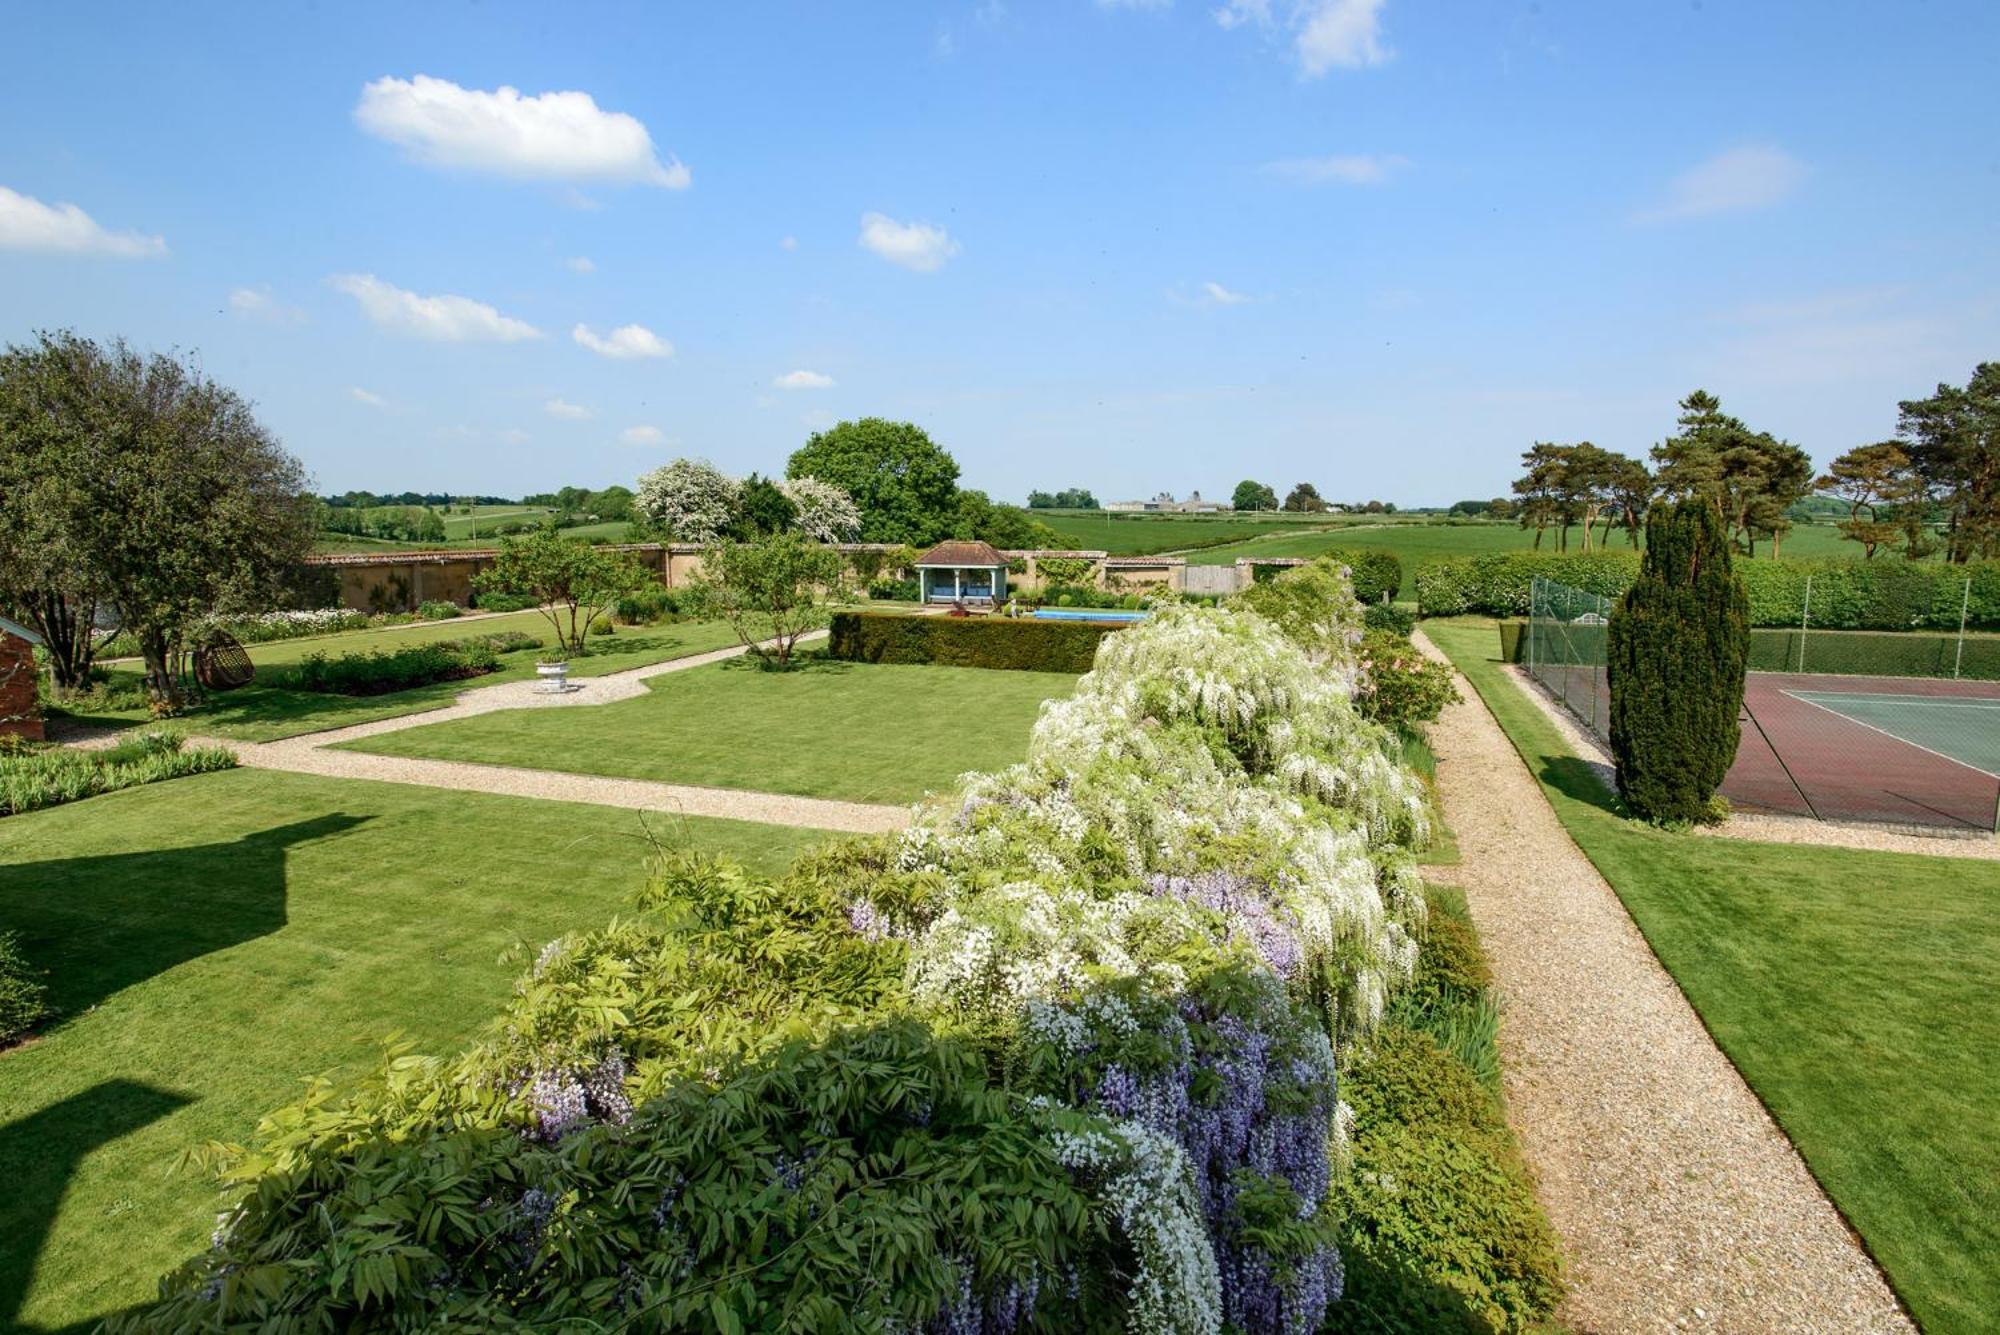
[(581, 264), (625, 343), (1339, 168), (369, 397), (921, 246), (1218, 295), (642, 435), (788, 243), (574, 412), (803, 380), (552, 137), (1753, 176), (28, 224), (445, 319), (1347, 33), (1323, 33), (513, 435), (262, 305)]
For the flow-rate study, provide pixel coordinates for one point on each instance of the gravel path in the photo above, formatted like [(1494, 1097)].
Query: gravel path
[(1761, 828), (310, 754), (1681, 1204)]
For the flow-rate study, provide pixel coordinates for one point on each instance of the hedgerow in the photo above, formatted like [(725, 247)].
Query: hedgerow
[(1846, 595), (1061, 1055), (1018, 643)]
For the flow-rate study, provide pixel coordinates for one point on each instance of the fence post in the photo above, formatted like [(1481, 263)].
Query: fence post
[(1534, 598), (1805, 619), (1964, 605)]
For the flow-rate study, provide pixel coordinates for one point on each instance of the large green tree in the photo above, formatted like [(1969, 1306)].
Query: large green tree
[(176, 503), (1875, 482), (1954, 444), (1751, 477), (1254, 495), (1676, 652), (904, 482)]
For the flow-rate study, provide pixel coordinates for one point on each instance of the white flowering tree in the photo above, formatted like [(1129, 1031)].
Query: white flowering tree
[(691, 498), (826, 513)]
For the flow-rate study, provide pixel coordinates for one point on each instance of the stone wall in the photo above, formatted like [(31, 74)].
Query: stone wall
[(398, 581), (20, 712)]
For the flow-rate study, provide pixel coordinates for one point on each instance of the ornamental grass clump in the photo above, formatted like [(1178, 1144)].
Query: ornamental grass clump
[(1062, 1055)]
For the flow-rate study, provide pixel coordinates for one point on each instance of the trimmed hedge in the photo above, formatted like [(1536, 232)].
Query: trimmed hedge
[(1846, 595), (1023, 645), (1853, 653)]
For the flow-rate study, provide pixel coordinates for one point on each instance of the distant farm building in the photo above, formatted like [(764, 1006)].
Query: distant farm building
[(1165, 504)]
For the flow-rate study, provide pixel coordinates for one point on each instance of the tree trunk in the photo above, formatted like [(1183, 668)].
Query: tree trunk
[(160, 679)]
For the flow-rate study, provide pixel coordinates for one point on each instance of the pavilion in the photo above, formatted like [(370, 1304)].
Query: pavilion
[(967, 572)]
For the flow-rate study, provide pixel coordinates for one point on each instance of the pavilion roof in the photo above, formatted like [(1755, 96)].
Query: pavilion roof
[(962, 554)]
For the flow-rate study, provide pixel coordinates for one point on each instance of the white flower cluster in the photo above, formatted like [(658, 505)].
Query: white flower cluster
[(1148, 1190), (825, 512), (1126, 773)]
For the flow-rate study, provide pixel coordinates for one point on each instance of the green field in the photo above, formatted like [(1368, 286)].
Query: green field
[(856, 731), (1417, 543), (1853, 990), (211, 941)]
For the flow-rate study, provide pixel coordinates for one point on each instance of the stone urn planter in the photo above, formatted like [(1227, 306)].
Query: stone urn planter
[(555, 677)]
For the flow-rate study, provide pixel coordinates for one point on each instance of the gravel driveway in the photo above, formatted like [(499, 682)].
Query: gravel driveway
[(1680, 1203)]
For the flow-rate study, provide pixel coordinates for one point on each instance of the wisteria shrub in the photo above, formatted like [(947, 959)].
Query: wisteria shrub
[(1060, 1055)]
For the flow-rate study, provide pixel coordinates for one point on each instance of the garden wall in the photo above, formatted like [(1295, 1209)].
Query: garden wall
[(20, 712), (983, 642), (399, 581)]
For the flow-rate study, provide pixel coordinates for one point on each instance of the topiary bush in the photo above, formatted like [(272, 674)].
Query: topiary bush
[(23, 996), (1676, 652)]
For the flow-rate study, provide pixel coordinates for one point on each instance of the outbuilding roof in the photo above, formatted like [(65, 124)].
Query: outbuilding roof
[(17, 629), (962, 555)]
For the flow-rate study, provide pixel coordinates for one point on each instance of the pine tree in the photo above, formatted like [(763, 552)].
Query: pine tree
[(1677, 647)]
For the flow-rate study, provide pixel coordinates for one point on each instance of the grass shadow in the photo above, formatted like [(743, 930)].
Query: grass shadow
[(39, 1154), (103, 922)]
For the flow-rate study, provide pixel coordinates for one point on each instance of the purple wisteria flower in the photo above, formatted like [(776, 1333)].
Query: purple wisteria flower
[(1271, 929)]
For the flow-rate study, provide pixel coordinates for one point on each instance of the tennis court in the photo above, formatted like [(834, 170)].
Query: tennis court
[(1895, 750), (1898, 750), (1967, 731)]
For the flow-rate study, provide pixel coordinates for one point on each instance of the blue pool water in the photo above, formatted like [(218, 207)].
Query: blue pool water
[(1083, 614)]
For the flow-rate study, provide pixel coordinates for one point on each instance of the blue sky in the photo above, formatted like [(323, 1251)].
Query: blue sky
[(1374, 244)]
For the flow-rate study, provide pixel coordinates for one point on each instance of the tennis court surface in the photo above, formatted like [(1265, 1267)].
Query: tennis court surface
[(1900, 750)]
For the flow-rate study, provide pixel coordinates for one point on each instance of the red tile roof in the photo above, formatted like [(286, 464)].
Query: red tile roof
[(962, 554)]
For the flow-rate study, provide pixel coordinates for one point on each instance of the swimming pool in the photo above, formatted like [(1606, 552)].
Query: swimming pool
[(1083, 614)]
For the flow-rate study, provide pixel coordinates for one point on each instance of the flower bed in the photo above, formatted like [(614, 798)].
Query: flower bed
[(32, 776), (1063, 1053), (380, 673)]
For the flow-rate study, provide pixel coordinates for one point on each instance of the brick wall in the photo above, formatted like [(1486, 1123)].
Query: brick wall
[(19, 713)]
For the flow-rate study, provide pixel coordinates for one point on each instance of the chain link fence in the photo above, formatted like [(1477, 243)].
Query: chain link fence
[(1880, 727), (1565, 650)]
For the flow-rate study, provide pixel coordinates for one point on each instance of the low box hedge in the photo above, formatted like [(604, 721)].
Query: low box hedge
[(1846, 595), (1023, 644)]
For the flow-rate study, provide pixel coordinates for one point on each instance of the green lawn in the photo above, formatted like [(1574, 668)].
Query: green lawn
[(263, 713), (1855, 991), (862, 732), (214, 940)]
